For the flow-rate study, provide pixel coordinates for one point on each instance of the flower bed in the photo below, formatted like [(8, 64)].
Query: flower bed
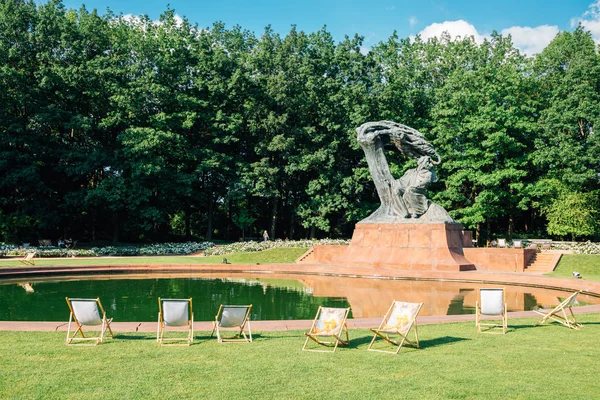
[(159, 249), (269, 244), (578, 248), (143, 250)]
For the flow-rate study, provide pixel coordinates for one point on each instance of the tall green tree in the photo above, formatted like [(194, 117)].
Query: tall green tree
[(483, 124)]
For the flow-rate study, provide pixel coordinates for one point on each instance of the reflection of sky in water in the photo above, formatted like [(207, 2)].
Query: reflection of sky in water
[(273, 296)]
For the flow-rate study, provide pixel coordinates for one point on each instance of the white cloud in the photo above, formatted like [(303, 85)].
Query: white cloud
[(529, 40), (412, 21), (590, 20), (456, 29)]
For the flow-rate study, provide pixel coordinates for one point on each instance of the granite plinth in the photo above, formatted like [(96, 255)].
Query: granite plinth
[(437, 247)]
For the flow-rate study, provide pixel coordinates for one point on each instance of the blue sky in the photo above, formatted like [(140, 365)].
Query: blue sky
[(533, 23)]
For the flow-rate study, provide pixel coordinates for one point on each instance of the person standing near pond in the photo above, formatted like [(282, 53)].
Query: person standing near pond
[(265, 236)]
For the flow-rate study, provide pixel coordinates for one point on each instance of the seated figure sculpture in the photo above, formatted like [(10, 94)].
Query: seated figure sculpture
[(412, 186), (402, 200)]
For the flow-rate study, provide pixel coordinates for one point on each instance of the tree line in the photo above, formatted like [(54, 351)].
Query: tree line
[(128, 129)]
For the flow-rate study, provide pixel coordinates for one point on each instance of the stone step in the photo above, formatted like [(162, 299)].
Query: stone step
[(542, 262), (307, 257)]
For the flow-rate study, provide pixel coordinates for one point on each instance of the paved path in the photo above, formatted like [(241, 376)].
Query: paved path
[(273, 325)]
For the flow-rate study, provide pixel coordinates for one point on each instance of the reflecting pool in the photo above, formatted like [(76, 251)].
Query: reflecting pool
[(274, 296)]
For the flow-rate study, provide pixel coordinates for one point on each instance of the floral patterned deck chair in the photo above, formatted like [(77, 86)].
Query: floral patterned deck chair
[(491, 301), (398, 321), (87, 312), (236, 318), (559, 313), (329, 323), (175, 313)]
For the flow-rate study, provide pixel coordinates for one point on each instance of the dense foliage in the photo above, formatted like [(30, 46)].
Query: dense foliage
[(133, 130)]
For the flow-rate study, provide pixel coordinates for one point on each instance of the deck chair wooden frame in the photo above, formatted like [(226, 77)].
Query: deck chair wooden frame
[(87, 312), (175, 313), (559, 313), (235, 318), (397, 323), (28, 259), (317, 331), (491, 303)]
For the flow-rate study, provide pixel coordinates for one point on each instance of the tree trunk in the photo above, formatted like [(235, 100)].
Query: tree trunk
[(209, 229), (312, 232), (188, 230), (291, 237), (478, 234), (274, 212), (115, 222), (511, 224)]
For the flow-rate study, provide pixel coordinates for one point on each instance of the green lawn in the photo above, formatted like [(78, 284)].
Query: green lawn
[(283, 255), (545, 362), (588, 265)]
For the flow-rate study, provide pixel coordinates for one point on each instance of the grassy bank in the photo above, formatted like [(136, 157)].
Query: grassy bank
[(281, 255), (588, 265), (545, 362)]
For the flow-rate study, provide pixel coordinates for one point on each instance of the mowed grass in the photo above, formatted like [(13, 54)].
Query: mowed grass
[(272, 256), (588, 265), (454, 362)]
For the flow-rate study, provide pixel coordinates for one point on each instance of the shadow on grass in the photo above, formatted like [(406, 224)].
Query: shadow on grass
[(513, 327), (423, 344), (440, 341), (207, 337), (355, 342), (134, 337)]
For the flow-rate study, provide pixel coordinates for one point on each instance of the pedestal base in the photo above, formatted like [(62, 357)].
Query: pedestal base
[(436, 247)]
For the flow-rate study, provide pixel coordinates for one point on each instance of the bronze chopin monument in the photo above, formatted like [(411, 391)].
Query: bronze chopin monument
[(402, 200), (407, 231)]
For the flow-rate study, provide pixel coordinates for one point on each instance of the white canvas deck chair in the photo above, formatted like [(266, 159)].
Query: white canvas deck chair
[(491, 302), (398, 321), (175, 313), (28, 259), (233, 318), (559, 313), (329, 323), (87, 312)]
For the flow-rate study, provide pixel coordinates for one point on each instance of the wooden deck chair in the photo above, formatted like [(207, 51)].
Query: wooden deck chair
[(491, 302), (501, 243), (28, 259), (398, 321), (87, 312), (233, 318), (175, 313), (559, 313), (329, 322)]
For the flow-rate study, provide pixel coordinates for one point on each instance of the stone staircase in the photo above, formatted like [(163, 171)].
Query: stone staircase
[(307, 257), (544, 262)]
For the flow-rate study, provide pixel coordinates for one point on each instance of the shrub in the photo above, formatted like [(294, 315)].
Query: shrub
[(578, 248), (144, 250), (269, 244)]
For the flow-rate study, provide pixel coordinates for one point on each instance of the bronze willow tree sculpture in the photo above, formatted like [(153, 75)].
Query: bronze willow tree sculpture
[(402, 200)]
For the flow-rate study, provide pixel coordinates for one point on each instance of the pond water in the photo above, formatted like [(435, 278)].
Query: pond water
[(278, 297)]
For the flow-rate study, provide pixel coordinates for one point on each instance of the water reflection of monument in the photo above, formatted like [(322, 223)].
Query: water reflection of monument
[(370, 298)]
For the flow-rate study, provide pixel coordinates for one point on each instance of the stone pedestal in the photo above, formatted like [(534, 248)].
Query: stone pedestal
[(434, 247)]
